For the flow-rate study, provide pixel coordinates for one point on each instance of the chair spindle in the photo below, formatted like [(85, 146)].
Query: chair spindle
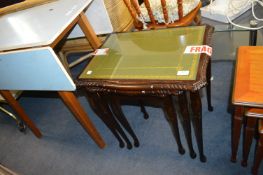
[(150, 13), (128, 5), (165, 13), (140, 22), (180, 9), (136, 6)]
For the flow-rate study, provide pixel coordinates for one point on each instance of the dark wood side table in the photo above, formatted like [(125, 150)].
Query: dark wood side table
[(153, 64)]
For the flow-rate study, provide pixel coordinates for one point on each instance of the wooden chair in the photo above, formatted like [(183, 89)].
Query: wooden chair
[(161, 13)]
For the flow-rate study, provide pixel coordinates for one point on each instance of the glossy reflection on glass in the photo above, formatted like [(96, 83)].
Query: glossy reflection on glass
[(155, 54)]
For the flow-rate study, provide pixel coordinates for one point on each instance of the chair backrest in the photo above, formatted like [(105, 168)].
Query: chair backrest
[(183, 19)]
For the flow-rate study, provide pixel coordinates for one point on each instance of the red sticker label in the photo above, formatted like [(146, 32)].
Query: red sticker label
[(198, 49)]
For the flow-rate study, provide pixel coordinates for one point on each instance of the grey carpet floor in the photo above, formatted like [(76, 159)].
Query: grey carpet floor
[(66, 149)]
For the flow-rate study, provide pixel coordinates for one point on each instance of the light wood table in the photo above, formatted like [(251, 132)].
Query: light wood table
[(34, 32)]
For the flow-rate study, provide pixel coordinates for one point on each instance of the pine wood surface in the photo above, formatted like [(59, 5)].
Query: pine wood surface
[(248, 78)]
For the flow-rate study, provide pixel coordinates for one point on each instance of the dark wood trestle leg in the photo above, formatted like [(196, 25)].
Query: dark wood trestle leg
[(249, 134), (117, 111), (183, 104), (171, 116), (108, 112), (143, 110), (97, 109), (106, 115), (236, 130), (208, 87), (196, 106), (258, 155)]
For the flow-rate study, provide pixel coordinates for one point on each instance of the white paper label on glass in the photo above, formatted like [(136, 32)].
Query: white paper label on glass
[(103, 51), (89, 72), (183, 72)]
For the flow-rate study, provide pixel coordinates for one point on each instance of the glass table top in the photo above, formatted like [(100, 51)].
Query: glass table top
[(155, 54), (228, 28)]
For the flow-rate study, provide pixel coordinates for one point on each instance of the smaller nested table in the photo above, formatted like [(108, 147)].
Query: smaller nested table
[(152, 64), (247, 92)]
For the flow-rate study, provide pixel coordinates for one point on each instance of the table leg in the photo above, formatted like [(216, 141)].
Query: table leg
[(236, 129), (196, 105), (249, 134), (183, 104), (20, 111), (253, 37), (143, 110), (171, 116), (253, 33), (117, 111), (73, 104), (95, 104), (258, 155), (88, 31), (208, 87), (107, 112)]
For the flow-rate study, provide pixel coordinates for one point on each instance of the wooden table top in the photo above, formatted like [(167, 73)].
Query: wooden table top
[(38, 26), (248, 83)]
